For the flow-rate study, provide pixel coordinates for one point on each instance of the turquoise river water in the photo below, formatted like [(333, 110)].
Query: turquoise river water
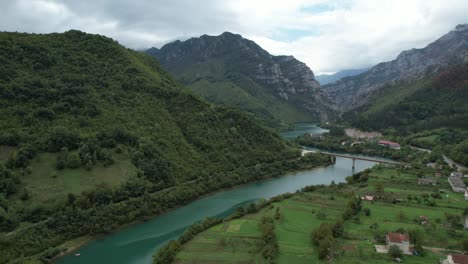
[(137, 243)]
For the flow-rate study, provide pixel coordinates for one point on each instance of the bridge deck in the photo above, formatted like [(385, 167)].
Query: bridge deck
[(305, 151)]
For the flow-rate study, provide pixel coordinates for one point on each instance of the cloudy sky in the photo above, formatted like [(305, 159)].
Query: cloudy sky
[(327, 35)]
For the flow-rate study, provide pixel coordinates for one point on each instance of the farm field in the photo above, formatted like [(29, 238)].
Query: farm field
[(398, 208)]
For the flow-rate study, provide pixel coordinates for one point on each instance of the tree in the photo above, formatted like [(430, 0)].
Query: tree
[(277, 213), (464, 244), (61, 137), (379, 188), (395, 252), (419, 248), (71, 198), (62, 158), (73, 160), (338, 228), (325, 247), (416, 235), (417, 238), (24, 195), (320, 233), (367, 211), (167, 254)]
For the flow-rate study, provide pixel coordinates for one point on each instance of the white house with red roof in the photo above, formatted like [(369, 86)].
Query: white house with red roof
[(390, 144), (400, 240), (456, 259)]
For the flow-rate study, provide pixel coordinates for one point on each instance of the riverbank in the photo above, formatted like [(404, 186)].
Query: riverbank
[(238, 186), (295, 217), (141, 240)]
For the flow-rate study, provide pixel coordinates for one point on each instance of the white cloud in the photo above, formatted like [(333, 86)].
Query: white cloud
[(327, 35), (362, 33)]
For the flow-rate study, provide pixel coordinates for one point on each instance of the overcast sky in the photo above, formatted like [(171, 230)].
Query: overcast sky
[(327, 35)]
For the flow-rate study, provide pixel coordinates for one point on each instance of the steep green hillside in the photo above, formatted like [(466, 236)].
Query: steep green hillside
[(441, 101), (233, 71), (93, 136)]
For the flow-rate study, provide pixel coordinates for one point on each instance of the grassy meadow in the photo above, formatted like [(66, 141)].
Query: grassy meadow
[(45, 183)]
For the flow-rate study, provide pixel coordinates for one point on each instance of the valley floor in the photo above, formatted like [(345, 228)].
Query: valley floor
[(238, 240)]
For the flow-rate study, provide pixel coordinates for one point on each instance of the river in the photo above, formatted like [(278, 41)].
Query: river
[(137, 243)]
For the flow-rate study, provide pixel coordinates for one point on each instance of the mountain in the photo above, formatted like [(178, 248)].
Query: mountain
[(94, 136), (411, 65), (231, 70), (330, 78), (430, 103)]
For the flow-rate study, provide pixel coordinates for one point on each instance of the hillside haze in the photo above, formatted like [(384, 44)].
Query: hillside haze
[(231, 70), (331, 78), (411, 65)]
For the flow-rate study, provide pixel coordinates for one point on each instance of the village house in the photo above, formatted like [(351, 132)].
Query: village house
[(390, 144), (368, 198), (427, 181), (456, 259), (457, 184), (399, 240), (316, 135), (438, 174)]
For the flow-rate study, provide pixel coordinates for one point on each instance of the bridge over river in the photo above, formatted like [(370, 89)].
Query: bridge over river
[(305, 151)]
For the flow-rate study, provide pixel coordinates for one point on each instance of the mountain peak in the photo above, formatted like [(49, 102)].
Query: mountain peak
[(409, 66), (461, 27), (230, 64), (230, 34)]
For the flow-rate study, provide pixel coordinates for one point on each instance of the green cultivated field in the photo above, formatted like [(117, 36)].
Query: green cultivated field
[(237, 241)]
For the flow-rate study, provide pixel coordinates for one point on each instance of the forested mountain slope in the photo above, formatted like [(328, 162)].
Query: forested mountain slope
[(410, 66), (440, 101), (231, 70), (75, 104)]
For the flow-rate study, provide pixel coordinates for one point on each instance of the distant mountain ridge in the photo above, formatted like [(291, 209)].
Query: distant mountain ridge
[(231, 70), (411, 65), (324, 79)]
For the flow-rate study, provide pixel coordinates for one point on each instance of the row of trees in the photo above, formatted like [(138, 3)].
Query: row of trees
[(325, 235), (269, 246)]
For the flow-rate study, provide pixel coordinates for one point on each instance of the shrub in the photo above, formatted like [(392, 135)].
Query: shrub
[(395, 252)]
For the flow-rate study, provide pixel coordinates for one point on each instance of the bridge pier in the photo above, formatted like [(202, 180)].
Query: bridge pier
[(354, 163)]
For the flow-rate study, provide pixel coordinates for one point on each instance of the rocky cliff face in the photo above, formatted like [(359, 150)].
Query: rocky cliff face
[(451, 49), (271, 81)]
